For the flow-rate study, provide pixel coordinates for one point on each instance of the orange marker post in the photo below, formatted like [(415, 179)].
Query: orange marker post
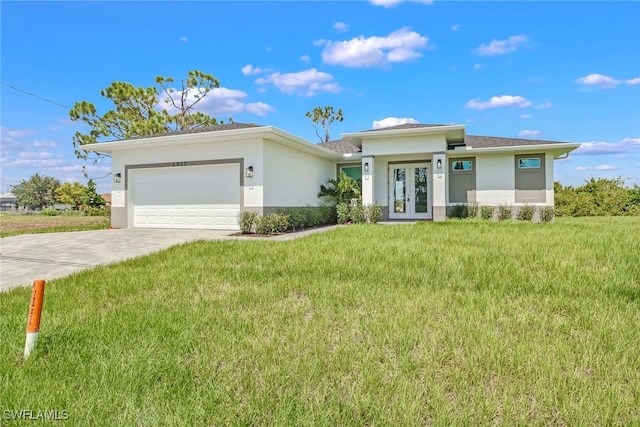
[(33, 321)]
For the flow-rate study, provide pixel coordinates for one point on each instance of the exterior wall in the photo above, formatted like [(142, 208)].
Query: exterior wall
[(381, 174), (292, 177), (403, 145), (495, 180), (247, 152)]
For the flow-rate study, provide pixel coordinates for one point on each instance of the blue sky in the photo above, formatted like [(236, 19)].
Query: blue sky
[(562, 71)]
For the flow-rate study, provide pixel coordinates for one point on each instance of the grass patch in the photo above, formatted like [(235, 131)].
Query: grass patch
[(14, 224), (462, 322)]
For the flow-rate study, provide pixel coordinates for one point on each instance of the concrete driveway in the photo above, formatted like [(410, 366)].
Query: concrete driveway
[(28, 257)]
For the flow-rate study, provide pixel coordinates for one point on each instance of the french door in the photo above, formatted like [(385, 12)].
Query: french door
[(409, 195)]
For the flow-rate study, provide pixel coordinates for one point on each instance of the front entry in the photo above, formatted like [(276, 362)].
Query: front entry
[(409, 195)]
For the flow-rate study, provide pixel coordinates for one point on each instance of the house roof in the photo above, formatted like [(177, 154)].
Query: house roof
[(214, 128), (476, 141), (341, 146), (405, 126)]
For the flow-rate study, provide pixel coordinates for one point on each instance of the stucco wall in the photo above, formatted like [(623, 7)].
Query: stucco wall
[(292, 177), (249, 150), (404, 145)]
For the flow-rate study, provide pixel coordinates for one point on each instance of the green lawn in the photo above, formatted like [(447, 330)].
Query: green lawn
[(12, 224), (463, 322)]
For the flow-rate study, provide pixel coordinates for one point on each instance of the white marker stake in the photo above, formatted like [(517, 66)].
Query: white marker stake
[(33, 321)]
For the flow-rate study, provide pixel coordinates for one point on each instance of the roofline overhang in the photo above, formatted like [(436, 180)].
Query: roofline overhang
[(558, 149), (433, 130), (264, 132)]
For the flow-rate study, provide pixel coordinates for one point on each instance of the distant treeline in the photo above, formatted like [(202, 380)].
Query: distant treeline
[(598, 197)]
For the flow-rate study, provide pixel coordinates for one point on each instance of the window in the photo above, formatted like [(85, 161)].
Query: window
[(461, 165), (354, 172), (529, 163)]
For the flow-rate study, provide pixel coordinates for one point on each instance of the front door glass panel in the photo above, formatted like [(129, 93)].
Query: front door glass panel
[(421, 199), (399, 190)]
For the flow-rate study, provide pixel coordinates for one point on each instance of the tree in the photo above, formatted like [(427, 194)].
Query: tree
[(340, 190), (145, 111), (37, 192), (71, 194), (324, 116), (91, 198)]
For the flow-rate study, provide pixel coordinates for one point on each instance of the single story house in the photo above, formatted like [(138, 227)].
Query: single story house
[(202, 178)]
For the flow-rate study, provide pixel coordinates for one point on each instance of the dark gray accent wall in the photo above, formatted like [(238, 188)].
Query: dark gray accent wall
[(462, 182), (530, 182)]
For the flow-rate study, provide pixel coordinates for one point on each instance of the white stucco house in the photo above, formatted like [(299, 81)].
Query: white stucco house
[(203, 178)]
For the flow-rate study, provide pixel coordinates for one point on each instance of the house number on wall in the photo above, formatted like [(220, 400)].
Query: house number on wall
[(179, 164)]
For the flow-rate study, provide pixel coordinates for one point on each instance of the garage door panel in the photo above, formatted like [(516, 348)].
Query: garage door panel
[(187, 197)]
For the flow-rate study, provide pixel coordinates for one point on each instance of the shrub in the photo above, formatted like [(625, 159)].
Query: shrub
[(272, 223), (486, 212), (525, 213), (247, 221), (49, 212), (505, 212), (357, 214), (374, 213), (547, 213), (472, 210), (459, 211), (342, 211), (309, 216), (96, 211)]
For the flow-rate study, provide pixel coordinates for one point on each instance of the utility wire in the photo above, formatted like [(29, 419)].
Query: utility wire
[(34, 95)]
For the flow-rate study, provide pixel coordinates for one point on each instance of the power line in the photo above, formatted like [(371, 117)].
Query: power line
[(34, 95)]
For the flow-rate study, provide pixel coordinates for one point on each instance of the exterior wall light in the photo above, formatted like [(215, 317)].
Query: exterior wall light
[(249, 173), (117, 177), (366, 167), (439, 164)]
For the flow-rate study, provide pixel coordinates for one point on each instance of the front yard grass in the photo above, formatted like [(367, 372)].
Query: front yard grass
[(464, 323), (12, 224)]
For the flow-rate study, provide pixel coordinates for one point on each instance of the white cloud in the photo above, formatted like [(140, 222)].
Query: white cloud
[(543, 106), (399, 46), (633, 81), (500, 47), (183, 39), (498, 101), (259, 108), (527, 132), (319, 42), (600, 80), (305, 58), (526, 116), (477, 66), (598, 148), (7, 134), (455, 27), (250, 70), (341, 26), (219, 101), (598, 168), (44, 143), (308, 82), (392, 121), (391, 3), (35, 155)]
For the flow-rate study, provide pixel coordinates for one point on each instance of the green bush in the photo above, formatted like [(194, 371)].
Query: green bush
[(49, 212), (547, 213), (247, 221), (459, 211), (486, 212), (343, 213), (374, 213), (272, 223), (357, 214), (597, 197), (472, 210), (96, 211), (525, 213), (309, 216), (505, 212)]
